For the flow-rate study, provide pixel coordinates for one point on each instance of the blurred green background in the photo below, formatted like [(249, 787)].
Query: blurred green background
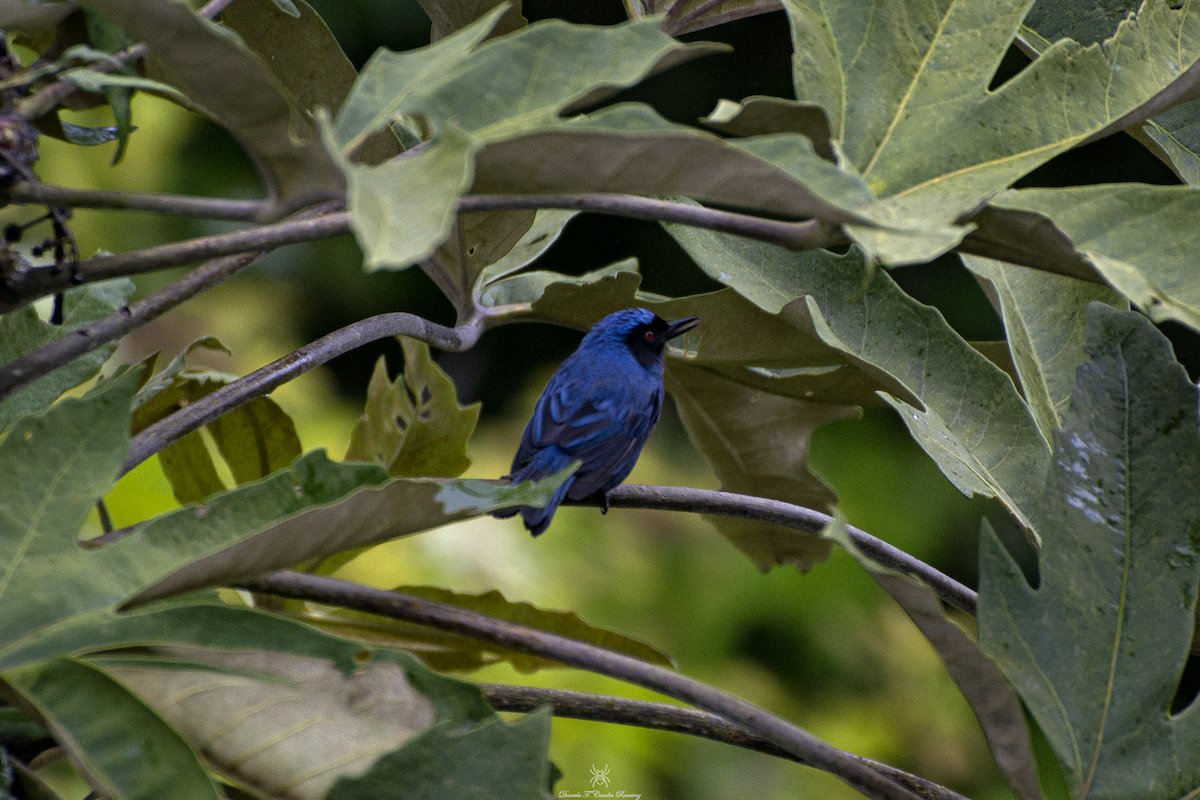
[(826, 649)]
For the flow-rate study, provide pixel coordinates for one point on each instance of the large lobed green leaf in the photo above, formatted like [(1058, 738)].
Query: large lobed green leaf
[(1097, 649), (905, 85), (65, 459), (970, 418), (328, 708)]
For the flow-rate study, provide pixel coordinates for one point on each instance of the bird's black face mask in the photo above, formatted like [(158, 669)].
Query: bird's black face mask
[(646, 342)]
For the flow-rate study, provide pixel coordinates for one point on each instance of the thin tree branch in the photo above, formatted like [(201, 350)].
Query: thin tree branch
[(166, 432), (664, 717), (761, 509), (46, 100), (46, 359), (32, 192), (808, 235), (770, 728), (40, 281)]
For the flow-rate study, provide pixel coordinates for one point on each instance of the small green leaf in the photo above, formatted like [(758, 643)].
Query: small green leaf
[(88, 137), (415, 426), (1097, 649), (475, 241), (22, 332), (539, 70), (255, 439), (578, 302), (546, 227), (125, 749), (761, 115), (390, 80), (92, 81), (402, 210), (629, 148), (518, 293)]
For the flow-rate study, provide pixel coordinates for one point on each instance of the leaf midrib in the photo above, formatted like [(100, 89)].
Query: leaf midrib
[(1116, 649), (35, 520), (912, 87)]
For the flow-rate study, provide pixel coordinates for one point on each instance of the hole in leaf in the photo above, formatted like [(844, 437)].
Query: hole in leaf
[(1189, 685), (362, 657), (401, 424), (1011, 65), (426, 396)]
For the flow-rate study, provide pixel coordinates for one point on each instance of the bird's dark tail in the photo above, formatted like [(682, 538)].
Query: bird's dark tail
[(546, 462)]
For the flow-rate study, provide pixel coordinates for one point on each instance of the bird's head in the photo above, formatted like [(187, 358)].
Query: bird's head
[(643, 332)]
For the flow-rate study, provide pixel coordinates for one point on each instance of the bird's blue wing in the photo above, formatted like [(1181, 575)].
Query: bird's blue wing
[(591, 424), (609, 460)]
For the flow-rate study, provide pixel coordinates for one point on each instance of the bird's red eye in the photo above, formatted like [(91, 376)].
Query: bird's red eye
[(649, 335)]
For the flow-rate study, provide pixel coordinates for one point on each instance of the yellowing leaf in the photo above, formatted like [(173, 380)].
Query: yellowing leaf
[(414, 426)]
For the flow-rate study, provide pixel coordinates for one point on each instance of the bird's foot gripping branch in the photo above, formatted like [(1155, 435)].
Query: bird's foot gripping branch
[(482, 159)]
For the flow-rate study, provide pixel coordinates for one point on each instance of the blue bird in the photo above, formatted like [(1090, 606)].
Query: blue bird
[(599, 409)]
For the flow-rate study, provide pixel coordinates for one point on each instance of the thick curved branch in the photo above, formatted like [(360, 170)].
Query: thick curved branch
[(770, 728), (760, 509), (31, 366), (32, 192), (166, 432), (38, 282), (664, 717)]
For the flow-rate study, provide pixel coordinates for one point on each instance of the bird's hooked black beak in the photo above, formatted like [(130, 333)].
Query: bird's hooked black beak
[(680, 327)]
